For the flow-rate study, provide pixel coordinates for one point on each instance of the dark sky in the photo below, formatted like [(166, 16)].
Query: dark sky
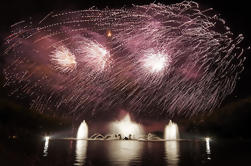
[(236, 13)]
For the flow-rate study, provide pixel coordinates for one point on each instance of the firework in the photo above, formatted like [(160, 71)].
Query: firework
[(155, 62), (63, 59), (175, 59), (93, 54)]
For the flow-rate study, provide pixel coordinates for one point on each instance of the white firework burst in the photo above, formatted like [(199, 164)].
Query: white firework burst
[(63, 59), (155, 62)]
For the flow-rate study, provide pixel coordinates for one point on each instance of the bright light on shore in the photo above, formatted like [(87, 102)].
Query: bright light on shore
[(208, 149), (207, 139), (46, 145), (47, 138)]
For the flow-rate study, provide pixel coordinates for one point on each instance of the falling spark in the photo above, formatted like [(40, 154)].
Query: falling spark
[(160, 59), (109, 33)]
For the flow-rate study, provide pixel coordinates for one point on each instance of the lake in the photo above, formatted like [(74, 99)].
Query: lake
[(127, 153)]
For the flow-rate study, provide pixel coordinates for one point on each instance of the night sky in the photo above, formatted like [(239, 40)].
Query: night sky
[(235, 13)]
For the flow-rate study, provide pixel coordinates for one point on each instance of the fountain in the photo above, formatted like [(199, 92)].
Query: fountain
[(98, 136), (149, 137), (171, 131), (82, 131), (172, 147), (126, 128), (81, 144)]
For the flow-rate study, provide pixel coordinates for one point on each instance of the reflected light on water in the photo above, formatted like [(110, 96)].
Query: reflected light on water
[(81, 148), (208, 151), (172, 152), (46, 146), (123, 152)]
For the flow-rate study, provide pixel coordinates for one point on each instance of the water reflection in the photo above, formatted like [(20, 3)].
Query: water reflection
[(124, 152), (81, 148), (208, 151), (46, 146), (172, 152)]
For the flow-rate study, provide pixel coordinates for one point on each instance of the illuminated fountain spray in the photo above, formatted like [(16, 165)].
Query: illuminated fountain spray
[(172, 147), (171, 131), (81, 144), (126, 128), (82, 131)]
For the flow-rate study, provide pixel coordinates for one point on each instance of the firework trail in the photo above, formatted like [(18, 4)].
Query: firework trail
[(176, 59)]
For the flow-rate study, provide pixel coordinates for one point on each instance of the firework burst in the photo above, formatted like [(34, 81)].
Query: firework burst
[(93, 55), (175, 59), (63, 59), (155, 62)]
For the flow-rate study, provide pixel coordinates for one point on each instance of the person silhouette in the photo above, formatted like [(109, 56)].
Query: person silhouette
[(119, 135)]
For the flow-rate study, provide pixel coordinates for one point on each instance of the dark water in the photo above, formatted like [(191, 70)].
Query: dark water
[(129, 153)]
